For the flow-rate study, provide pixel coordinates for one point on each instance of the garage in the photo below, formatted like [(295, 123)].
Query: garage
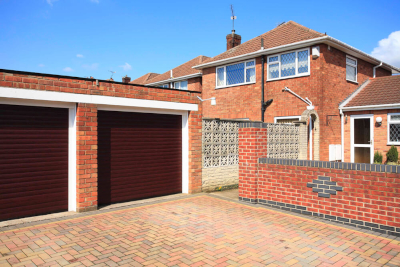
[(33, 160), (139, 155)]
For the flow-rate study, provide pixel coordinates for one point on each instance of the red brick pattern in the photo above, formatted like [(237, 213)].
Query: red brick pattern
[(86, 180), (252, 146), (367, 196), (200, 231)]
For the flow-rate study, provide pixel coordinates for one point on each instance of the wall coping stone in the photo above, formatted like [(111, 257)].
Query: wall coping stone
[(333, 165)]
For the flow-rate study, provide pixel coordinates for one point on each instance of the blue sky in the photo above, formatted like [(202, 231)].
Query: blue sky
[(90, 37)]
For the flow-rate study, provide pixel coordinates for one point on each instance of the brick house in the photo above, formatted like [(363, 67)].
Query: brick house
[(309, 63), (183, 77), (371, 119)]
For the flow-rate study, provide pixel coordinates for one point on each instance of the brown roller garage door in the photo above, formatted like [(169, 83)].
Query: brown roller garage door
[(140, 155), (33, 160)]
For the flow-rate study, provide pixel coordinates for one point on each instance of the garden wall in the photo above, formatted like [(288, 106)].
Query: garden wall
[(362, 195)]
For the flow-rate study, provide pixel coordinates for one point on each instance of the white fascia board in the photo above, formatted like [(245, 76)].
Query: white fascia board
[(372, 107), (15, 93), (356, 92), (325, 40), (181, 78)]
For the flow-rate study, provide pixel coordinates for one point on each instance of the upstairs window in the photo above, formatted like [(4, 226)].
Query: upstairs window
[(165, 85), (181, 85), (351, 69), (236, 74), (394, 129), (288, 65)]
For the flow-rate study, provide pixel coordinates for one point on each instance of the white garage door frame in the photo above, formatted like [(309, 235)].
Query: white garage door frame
[(185, 134), (28, 97)]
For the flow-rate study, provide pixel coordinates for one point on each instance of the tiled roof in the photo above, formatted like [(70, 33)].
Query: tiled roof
[(182, 70), (143, 79), (287, 33), (379, 91)]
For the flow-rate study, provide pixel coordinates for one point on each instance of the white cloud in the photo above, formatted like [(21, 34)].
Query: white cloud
[(126, 66), (50, 2), (93, 66), (41, 65), (388, 49), (95, 1), (79, 55), (67, 69)]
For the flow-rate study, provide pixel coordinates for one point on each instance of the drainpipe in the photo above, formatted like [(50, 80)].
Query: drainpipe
[(262, 88), (342, 131), (376, 68)]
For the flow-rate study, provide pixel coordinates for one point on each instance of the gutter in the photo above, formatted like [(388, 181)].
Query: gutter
[(372, 107), (176, 79), (325, 40)]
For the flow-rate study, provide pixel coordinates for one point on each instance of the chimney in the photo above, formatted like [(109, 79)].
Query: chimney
[(126, 79), (233, 40)]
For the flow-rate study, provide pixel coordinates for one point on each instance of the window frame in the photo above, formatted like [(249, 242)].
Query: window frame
[(296, 62), (389, 121), (286, 118), (180, 85), (236, 84), (351, 65)]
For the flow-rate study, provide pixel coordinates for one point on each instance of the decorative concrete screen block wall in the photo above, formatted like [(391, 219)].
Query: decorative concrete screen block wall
[(220, 154), (283, 141)]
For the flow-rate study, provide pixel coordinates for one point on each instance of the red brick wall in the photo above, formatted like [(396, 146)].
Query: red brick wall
[(87, 123), (326, 87), (380, 132), (366, 196), (195, 84), (252, 146), (86, 176)]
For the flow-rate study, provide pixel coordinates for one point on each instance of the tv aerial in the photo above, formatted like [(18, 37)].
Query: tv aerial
[(112, 73), (233, 17)]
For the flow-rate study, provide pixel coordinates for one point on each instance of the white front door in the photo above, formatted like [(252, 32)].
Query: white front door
[(362, 138)]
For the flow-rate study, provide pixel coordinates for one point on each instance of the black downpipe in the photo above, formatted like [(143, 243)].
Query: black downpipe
[(262, 89)]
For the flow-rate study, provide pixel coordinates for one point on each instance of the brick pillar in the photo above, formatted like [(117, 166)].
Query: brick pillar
[(195, 151), (252, 146), (86, 178)]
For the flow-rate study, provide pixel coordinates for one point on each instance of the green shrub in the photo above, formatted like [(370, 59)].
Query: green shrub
[(392, 155), (378, 158)]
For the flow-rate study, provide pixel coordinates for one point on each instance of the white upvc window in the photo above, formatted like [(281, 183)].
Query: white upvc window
[(236, 74), (287, 119), (165, 85), (394, 129), (181, 85), (351, 69), (288, 65)]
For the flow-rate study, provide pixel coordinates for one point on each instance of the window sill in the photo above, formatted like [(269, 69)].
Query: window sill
[(393, 144), (352, 81), (233, 85), (285, 78)]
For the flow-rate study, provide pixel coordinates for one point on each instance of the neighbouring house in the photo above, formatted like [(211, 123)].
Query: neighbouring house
[(248, 79), (371, 119), (183, 77), (143, 79)]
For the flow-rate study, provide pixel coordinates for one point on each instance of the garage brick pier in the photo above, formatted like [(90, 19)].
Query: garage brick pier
[(83, 100)]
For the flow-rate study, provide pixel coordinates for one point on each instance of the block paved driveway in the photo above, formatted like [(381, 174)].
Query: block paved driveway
[(194, 231)]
